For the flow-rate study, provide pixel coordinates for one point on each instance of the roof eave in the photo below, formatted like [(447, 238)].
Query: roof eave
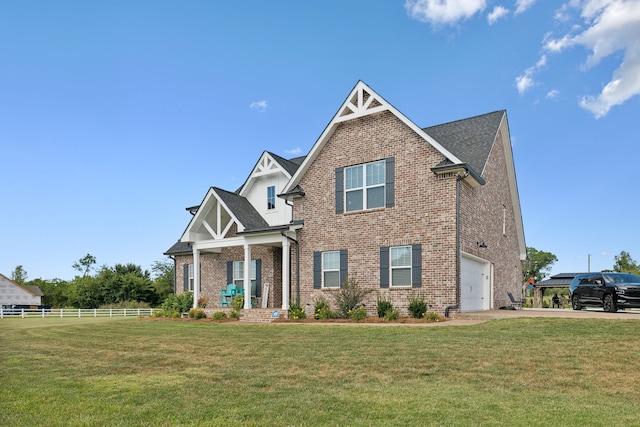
[(463, 170)]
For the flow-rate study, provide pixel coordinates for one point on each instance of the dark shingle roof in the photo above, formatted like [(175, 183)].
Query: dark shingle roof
[(470, 139), (291, 166), (179, 248), (242, 209)]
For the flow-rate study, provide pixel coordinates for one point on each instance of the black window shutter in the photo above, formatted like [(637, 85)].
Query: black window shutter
[(185, 283), (384, 266), (339, 190), (317, 270), (258, 277), (344, 266), (389, 181), (229, 272), (416, 265)]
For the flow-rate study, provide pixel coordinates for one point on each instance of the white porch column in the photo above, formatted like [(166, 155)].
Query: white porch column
[(247, 276), (196, 277), (286, 261)]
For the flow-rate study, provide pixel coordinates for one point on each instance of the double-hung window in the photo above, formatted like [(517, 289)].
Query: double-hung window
[(400, 265), (331, 269), (365, 186), (271, 197), (191, 277), (238, 275)]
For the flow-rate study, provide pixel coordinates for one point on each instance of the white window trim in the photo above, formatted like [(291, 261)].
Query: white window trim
[(325, 270), (403, 267), (364, 186), (191, 278), (270, 209), (252, 273)]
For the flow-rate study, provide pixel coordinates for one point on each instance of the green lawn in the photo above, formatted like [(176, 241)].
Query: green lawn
[(129, 372)]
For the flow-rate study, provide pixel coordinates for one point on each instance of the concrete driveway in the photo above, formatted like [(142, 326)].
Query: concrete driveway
[(595, 313)]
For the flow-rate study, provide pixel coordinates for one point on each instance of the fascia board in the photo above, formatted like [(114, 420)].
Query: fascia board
[(254, 173), (513, 186), (336, 120)]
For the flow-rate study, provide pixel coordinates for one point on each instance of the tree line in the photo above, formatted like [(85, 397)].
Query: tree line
[(122, 285), (538, 264)]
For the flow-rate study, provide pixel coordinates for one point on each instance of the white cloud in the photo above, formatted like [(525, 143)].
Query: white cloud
[(497, 13), (294, 152), (523, 5), (441, 12), (260, 106), (525, 81), (610, 26), (552, 94)]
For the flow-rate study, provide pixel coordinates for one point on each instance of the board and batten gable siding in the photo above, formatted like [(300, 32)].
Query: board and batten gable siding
[(484, 210), (257, 196), (423, 211)]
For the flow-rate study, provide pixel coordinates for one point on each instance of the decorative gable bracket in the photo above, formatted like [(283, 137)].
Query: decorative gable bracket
[(362, 102)]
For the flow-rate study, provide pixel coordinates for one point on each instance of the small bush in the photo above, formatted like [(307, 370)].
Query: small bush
[(197, 313), (358, 314), (219, 315), (350, 296), (202, 302), (391, 315), (234, 314), (238, 302), (417, 305), (431, 316), (296, 312), (321, 310), (383, 306)]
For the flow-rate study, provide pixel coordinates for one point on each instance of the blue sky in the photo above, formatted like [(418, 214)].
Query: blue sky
[(117, 115)]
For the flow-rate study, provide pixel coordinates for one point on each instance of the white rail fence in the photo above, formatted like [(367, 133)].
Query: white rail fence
[(72, 312)]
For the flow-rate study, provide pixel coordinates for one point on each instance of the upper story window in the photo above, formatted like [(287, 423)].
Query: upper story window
[(271, 197), (364, 186)]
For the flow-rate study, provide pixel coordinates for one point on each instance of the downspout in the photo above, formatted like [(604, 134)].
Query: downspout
[(459, 177)]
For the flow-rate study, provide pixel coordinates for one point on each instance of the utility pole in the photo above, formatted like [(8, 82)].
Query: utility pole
[(588, 263)]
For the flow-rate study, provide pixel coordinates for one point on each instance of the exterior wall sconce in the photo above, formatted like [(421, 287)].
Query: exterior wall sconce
[(481, 245)]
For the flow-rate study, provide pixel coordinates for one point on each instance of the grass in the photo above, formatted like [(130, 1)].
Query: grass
[(127, 372)]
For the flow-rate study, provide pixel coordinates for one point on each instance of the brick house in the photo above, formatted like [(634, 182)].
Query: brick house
[(401, 208)]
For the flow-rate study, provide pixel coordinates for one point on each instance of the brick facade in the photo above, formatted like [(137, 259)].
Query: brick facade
[(424, 213)]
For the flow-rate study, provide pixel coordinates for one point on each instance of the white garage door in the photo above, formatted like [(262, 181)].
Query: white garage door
[(475, 284)]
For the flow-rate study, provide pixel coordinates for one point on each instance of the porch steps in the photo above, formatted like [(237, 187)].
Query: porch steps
[(263, 315)]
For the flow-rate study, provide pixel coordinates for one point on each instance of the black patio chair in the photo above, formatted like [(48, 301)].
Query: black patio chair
[(517, 304)]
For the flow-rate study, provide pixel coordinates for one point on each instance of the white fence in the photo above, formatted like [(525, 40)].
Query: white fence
[(80, 312)]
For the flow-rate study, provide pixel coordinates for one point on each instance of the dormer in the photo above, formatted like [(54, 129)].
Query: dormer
[(267, 179)]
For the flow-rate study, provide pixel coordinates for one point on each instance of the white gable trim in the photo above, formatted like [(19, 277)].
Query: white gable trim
[(362, 101), (266, 165), (513, 185), (218, 230)]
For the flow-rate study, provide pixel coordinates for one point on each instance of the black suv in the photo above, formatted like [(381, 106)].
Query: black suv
[(607, 290)]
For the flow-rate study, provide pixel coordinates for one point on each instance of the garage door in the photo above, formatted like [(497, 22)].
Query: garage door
[(475, 283)]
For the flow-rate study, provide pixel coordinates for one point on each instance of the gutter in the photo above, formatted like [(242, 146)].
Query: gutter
[(459, 177)]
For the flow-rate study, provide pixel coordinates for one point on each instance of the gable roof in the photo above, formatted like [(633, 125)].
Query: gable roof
[(470, 139), (32, 289), (266, 164), (240, 208), (363, 101)]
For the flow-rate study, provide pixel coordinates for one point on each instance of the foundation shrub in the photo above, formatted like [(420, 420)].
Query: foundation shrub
[(350, 296), (417, 305)]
